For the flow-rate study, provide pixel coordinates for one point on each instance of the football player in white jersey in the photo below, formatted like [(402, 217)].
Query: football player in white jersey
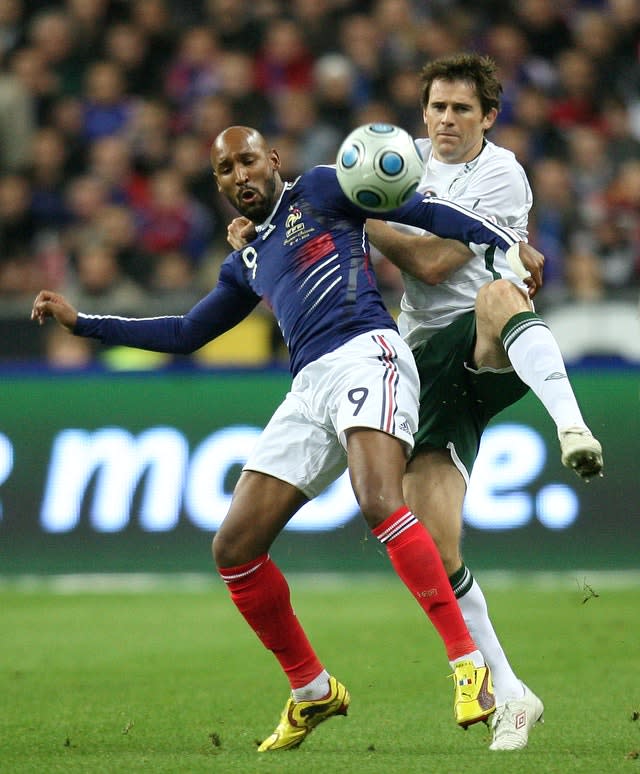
[(478, 343)]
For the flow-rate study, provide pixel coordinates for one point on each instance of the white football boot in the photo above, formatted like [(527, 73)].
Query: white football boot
[(581, 452), (513, 720)]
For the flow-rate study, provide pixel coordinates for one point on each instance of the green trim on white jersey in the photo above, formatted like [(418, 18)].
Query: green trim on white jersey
[(494, 185)]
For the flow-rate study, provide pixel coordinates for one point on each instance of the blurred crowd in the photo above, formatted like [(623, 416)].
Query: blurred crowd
[(108, 109)]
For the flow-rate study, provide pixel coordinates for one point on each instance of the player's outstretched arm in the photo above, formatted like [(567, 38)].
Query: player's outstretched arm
[(50, 304), (426, 257)]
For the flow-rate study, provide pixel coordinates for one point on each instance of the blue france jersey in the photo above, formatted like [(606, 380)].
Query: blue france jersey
[(310, 264)]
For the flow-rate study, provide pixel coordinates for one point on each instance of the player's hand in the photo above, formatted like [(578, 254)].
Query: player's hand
[(50, 304), (533, 262), (240, 231)]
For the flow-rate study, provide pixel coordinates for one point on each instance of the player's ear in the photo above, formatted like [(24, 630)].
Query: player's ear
[(274, 158), (489, 120)]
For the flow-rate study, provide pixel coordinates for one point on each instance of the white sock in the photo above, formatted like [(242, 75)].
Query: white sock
[(536, 358), (475, 656), (318, 688), (474, 611)]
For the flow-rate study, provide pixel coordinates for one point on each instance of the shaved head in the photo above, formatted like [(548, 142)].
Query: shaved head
[(234, 135)]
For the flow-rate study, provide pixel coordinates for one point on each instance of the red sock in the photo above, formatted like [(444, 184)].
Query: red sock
[(261, 593), (415, 559)]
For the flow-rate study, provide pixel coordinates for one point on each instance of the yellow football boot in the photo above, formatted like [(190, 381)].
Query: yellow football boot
[(473, 700), (299, 718)]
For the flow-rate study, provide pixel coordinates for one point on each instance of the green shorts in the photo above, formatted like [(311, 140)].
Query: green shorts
[(456, 401)]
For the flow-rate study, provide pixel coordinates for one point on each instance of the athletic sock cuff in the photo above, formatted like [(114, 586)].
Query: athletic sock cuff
[(395, 525), (231, 574), (461, 581), (518, 324)]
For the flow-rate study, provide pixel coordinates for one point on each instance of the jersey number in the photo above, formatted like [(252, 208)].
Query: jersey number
[(357, 396)]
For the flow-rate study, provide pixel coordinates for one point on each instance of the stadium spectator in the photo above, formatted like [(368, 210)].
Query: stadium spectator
[(47, 174), (237, 84), (111, 161), (360, 40), (17, 123), (544, 26), (150, 136), (127, 45), (20, 264), (297, 123), (317, 20), (114, 226), (85, 197), (106, 107), (12, 31), (554, 220), (237, 28), (577, 99), (97, 282), (90, 19), (29, 66), (154, 20), (334, 89), (532, 114), (192, 74), (173, 221), (52, 32), (283, 61)]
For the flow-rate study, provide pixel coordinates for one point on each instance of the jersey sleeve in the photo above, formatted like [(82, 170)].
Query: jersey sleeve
[(219, 311), (449, 220), (439, 216)]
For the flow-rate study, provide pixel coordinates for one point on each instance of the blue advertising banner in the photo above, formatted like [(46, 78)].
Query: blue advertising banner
[(131, 472)]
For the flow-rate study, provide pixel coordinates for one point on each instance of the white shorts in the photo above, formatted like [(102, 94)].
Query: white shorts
[(371, 381)]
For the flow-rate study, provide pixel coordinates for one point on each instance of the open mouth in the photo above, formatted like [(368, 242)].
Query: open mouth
[(248, 195)]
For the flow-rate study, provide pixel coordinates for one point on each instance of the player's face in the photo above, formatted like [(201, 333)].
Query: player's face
[(455, 122), (246, 173)]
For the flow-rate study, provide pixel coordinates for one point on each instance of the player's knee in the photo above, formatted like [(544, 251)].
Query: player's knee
[(226, 551), (375, 507), (501, 294)]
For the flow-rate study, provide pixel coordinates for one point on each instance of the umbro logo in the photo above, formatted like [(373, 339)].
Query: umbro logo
[(555, 375), (520, 720)]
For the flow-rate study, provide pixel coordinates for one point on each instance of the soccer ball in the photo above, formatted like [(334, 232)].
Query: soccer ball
[(379, 166)]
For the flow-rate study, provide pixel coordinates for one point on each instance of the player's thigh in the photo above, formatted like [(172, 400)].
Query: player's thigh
[(457, 401), (377, 461), (299, 445)]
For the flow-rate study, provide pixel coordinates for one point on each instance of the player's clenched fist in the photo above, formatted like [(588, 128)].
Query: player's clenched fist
[(50, 304)]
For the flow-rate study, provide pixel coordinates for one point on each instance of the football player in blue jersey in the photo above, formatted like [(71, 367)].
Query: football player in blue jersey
[(353, 403)]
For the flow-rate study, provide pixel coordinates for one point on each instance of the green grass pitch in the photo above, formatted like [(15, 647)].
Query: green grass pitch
[(170, 680)]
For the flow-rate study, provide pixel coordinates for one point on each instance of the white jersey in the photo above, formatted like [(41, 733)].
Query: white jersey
[(493, 185)]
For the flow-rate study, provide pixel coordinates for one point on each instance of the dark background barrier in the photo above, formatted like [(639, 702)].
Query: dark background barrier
[(132, 472)]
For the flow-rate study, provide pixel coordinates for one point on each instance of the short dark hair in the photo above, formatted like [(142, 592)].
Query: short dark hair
[(477, 70)]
